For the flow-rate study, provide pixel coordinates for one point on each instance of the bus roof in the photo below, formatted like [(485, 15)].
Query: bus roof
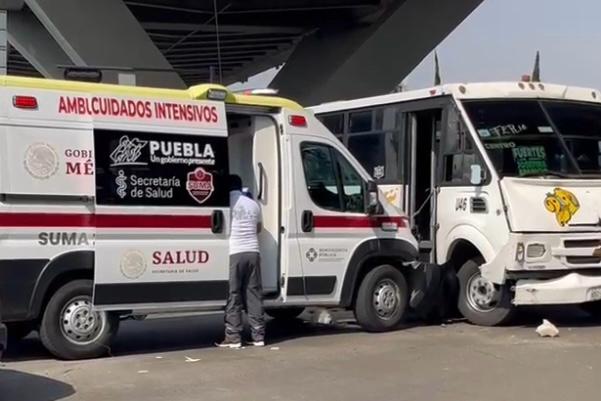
[(197, 92), (487, 90)]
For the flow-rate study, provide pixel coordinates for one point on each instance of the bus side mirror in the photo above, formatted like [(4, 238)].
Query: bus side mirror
[(372, 203), (475, 174)]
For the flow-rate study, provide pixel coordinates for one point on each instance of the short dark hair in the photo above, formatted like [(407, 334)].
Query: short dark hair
[(235, 182)]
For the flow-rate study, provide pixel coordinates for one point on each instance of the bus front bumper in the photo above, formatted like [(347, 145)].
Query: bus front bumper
[(549, 268), (573, 288)]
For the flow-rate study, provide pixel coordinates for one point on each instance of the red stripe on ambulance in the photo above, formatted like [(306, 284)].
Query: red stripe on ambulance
[(103, 220), (357, 221)]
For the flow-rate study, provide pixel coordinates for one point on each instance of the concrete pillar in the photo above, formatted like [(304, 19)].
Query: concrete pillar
[(32, 40), (3, 43), (104, 33), (369, 61)]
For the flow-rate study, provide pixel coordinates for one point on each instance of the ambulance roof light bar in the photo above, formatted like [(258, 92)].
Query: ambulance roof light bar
[(261, 92), (216, 94)]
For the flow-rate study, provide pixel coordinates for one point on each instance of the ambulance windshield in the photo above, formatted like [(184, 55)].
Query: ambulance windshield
[(525, 138)]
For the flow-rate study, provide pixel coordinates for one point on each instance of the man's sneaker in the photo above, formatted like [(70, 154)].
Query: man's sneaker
[(229, 344), (257, 343)]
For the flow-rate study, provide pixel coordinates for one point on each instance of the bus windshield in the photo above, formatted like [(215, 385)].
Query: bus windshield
[(526, 138)]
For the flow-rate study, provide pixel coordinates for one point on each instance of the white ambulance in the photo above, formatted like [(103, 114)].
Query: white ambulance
[(114, 202), (501, 181)]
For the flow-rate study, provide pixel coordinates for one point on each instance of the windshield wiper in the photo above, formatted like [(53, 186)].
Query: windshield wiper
[(549, 172)]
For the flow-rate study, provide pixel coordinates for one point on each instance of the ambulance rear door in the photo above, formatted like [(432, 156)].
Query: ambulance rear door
[(161, 206)]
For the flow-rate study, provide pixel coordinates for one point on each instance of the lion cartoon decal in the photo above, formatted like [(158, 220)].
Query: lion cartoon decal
[(563, 204)]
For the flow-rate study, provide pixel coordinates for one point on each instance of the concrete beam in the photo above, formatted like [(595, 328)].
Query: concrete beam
[(330, 65), (33, 41), (104, 33)]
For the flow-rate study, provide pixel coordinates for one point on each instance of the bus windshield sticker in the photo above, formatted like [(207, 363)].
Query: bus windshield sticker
[(530, 159), (499, 145), (484, 133), (508, 129), (545, 129)]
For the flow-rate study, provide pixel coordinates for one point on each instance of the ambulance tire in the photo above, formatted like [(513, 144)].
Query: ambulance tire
[(70, 330), (285, 313), (474, 292), (382, 299)]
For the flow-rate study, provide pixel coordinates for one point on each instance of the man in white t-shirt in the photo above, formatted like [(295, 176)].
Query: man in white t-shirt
[(246, 290)]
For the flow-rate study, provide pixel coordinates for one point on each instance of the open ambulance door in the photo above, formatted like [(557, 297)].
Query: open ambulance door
[(255, 157), (162, 213)]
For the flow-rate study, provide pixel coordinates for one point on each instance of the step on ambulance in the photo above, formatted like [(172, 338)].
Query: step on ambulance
[(114, 202)]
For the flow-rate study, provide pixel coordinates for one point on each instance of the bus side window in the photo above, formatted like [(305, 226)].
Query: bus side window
[(459, 152)]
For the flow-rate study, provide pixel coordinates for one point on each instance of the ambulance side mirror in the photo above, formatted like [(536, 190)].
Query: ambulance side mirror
[(372, 203)]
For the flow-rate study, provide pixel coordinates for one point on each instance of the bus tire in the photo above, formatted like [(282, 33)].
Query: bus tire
[(382, 299), (70, 329), (481, 302), (285, 313)]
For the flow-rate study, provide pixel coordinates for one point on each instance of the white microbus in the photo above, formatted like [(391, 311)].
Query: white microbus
[(114, 201), (501, 181)]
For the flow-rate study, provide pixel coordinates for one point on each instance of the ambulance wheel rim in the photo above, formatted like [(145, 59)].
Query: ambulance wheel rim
[(481, 294), (386, 298), (80, 324)]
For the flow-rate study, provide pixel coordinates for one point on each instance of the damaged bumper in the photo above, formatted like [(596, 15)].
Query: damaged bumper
[(547, 267), (573, 288)]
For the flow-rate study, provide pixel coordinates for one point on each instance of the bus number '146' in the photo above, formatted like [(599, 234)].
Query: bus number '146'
[(461, 204)]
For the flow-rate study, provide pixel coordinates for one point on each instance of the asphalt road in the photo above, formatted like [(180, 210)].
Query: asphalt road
[(173, 360)]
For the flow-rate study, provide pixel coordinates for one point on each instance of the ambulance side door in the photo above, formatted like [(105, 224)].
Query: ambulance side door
[(329, 197), (162, 218)]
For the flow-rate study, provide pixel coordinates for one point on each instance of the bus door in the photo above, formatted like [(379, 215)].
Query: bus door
[(424, 132)]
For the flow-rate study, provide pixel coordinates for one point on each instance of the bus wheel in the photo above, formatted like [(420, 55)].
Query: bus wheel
[(71, 329), (480, 301), (285, 313), (382, 299)]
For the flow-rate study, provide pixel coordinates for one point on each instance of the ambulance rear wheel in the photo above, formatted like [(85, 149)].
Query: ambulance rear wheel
[(382, 299), (285, 313), (480, 301), (71, 329)]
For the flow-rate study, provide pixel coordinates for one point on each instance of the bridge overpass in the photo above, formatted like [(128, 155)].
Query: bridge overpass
[(331, 48)]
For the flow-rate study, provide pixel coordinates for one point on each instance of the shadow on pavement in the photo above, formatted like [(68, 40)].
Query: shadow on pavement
[(20, 386), (180, 333), (197, 332)]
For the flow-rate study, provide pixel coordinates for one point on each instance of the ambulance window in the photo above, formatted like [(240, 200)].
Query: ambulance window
[(352, 186), (320, 175)]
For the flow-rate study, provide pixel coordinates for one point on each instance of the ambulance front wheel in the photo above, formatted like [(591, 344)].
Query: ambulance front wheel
[(382, 299), (480, 301), (71, 329)]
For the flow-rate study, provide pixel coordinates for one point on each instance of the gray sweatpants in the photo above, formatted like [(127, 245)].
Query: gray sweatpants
[(246, 292)]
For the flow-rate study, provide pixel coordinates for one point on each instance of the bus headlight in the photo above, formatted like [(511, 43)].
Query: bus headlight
[(519, 252), (535, 251)]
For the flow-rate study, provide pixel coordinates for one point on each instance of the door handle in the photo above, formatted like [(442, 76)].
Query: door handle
[(307, 221), (217, 222), (261, 181)]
